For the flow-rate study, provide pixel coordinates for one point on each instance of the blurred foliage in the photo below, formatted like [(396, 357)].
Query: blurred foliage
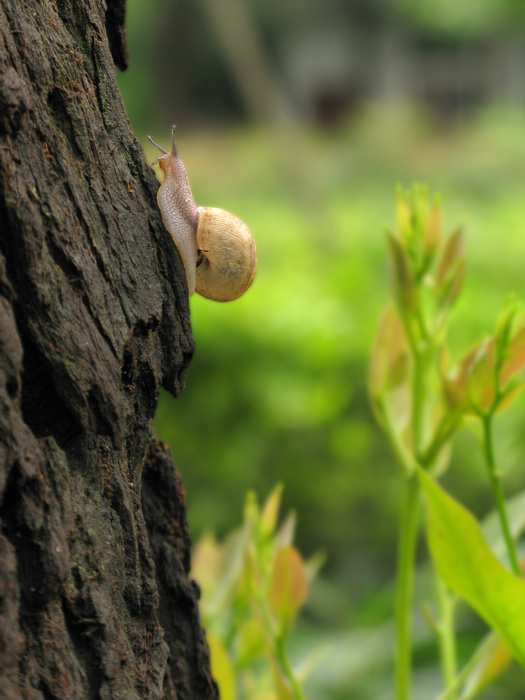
[(276, 390), (421, 401), (253, 586)]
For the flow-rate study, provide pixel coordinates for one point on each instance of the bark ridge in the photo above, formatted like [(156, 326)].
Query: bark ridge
[(95, 599)]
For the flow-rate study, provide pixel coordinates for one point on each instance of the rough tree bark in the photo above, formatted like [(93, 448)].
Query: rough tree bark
[(95, 599)]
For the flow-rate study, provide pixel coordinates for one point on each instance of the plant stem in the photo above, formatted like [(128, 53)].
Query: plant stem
[(284, 661), (403, 455), (495, 480), (277, 644), (404, 585), (419, 394), (408, 534), (485, 648), (440, 438), (447, 641)]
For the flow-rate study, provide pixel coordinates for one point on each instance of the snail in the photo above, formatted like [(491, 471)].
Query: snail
[(217, 248)]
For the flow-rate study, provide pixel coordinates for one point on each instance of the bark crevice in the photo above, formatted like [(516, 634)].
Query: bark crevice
[(95, 596)]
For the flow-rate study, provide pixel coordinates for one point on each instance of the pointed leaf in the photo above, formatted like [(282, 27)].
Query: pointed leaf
[(271, 510), (454, 252), (504, 325), (251, 642), (390, 359), (434, 232), (404, 216), (403, 278), (514, 357), (286, 532), (467, 565), (455, 383), (221, 668), (288, 586), (232, 563), (314, 564), (481, 377), (512, 392), (453, 286), (251, 510), (420, 212)]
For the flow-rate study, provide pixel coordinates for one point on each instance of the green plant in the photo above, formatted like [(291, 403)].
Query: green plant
[(253, 585), (421, 401)]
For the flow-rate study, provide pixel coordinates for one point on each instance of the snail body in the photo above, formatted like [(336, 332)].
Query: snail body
[(216, 248)]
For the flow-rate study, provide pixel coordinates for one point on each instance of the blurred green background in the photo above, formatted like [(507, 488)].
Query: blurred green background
[(301, 118)]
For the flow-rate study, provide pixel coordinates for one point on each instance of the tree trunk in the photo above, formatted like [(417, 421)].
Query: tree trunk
[(95, 599)]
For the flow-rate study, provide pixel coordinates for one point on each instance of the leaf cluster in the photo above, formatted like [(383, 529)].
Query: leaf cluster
[(422, 399), (427, 273), (253, 586)]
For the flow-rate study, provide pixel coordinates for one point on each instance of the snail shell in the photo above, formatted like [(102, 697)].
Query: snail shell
[(228, 258), (216, 248)]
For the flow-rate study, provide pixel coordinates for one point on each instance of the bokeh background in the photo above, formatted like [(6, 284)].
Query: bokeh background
[(301, 117)]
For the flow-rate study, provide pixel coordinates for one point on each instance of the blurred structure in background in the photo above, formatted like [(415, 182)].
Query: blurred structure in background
[(269, 60)]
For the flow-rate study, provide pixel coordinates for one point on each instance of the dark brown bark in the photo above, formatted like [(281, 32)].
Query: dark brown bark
[(95, 599)]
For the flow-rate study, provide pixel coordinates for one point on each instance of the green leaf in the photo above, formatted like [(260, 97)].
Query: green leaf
[(389, 366), (453, 286), (481, 377), (420, 215), (468, 566), (504, 325), (403, 277), (314, 564), (251, 642), (221, 668), (251, 510), (271, 510), (453, 254), (288, 586), (470, 387), (514, 357), (230, 574), (433, 232), (286, 532), (455, 384), (404, 216)]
